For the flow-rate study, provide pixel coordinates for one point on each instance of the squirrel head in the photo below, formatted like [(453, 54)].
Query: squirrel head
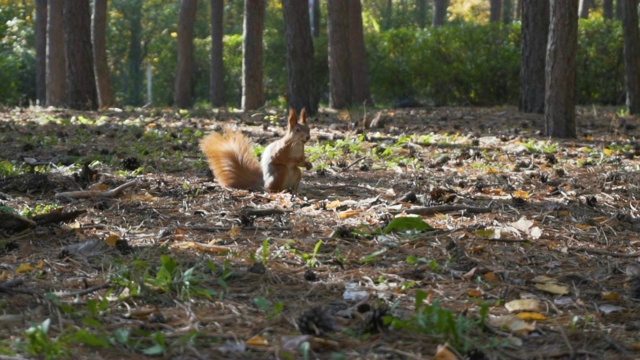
[(298, 130)]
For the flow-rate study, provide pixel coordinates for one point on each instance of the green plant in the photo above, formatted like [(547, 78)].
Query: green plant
[(272, 311), (39, 343)]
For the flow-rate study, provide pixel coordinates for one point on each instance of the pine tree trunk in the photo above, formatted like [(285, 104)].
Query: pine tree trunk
[(315, 19), (495, 10), (421, 13), (535, 30), (607, 9), (631, 54), (81, 85), (217, 65), (560, 94), (339, 76), (585, 6), (184, 70), (360, 92), (135, 78), (101, 67), (56, 63), (507, 11), (297, 31), (439, 12), (41, 51), (252, 68)]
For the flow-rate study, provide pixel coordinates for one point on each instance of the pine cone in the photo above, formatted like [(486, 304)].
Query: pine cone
[(316, 321)]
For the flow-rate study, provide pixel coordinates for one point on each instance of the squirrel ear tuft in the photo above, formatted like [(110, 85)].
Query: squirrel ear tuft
[(303, 116), (293, 118)]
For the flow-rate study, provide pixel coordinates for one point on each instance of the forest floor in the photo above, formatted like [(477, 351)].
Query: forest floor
[(456, 226)]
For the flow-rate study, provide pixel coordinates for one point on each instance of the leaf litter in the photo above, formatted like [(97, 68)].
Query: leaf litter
[(454, 231)]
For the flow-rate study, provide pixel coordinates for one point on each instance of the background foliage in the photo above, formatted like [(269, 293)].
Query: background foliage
[(467, 62)]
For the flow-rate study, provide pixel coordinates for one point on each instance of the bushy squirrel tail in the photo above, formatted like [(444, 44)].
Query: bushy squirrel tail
[(231, 160)]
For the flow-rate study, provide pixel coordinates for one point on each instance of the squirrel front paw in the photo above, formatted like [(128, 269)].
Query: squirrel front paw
[(308, 165)]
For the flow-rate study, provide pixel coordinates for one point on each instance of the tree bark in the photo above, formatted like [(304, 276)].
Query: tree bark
[(81, 85), (135, 79), (535, 30), (252, 69), (607, 9), (339, 76), (184, 67), (315, 19), (560, 94), (360, 91), (56, 63), (518, 11), (507, 11), (619, 9), (631, 54), (439, 12), (297, 31), (585, 6), (217, 64), (41, 52), (421, 13), (495, 10), (100, 65)]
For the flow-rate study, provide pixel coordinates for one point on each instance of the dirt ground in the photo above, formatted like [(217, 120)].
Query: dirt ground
[(531, 250)]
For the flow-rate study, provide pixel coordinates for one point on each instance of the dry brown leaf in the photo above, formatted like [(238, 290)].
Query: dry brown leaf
[(531, 315), (443, 353), (553, 288), (112, 239), (257, 341), (610, 295), (348, 213), (475, 292), (469, 274)]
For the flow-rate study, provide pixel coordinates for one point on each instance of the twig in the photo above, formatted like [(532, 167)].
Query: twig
[(7, 286), (444, 209), (607, 253), (353, 163), (84, 291), (84, 194), (228, 228), (262, 212)]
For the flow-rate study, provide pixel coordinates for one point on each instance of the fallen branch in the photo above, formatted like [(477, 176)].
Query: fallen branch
[(262, 212), (444, 209), (606, 253), (84, 291), (86, 194), (57, 217)]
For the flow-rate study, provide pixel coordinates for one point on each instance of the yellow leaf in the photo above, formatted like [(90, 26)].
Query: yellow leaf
[(488, 233), (475, 293), (583, 226), (564, 213), (478, 248), (599, 219), (553, 288), (40, 265), (523, 305), (543, 279), (607, 151), (146, 197), (111, 239), (443, 353), (529, 315), (348, 213), (490, 276), (332, 205), (4, 275), (521, 194), (610, 295), (23, 268), (215, 249), (257, 341)]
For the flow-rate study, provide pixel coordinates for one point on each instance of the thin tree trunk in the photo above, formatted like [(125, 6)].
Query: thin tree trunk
[(631, 54), (184, 70), (507, 11), (360, 92), (41, 51), (297, 31), (252, 68), (607, 9), (495, 10), (135, 78), (585, 6), (81, 84), (387, 15), (217, 65), (315, 19), (339, 76), (439, 12), (560, 94), (421, 13), (535, 30), (518, 11), (619, 9), (100, 65), (56, 63)]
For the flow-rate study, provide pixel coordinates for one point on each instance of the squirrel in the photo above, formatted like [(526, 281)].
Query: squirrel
[(232, 162)]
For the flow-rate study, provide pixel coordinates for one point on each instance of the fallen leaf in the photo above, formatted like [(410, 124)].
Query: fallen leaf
[(512, 323), (348, 213), (111, 239), (469, 274), (443, 353), (523, 305), (610, 295), (530, 315), (608, 308), (257, 341), (553, 288), (523, 224), (475, 293), (215, 249), (332, 205)]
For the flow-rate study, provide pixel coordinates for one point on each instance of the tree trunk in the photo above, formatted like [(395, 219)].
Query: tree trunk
[(184, 67), (136, 76), (56, 63), (439, 12), (301, 85), (507, 11), (421, 13), (560, 94), (619, 9), (41, 51), (217, 65), (339, 76), (518, 11), (387, 15), (585, 6), (100, 66), (357, 55), (252, 69), (315, 19), (81, 84), (535, 30), (631, 54), (495, 10), (607, 9)]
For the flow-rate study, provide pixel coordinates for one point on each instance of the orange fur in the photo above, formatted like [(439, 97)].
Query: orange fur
[(231, 160)]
